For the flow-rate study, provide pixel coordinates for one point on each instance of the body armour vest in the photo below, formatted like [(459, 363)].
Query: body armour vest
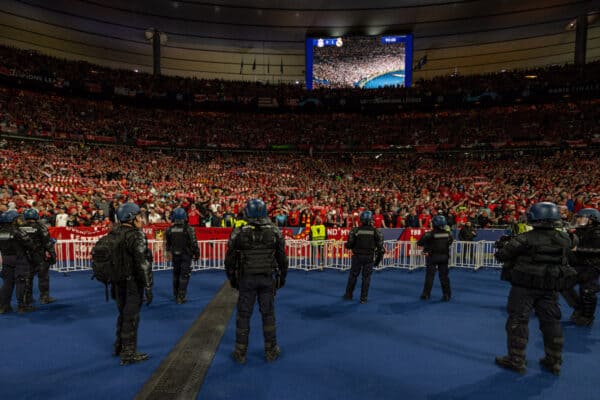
[(588, 248), (11, 242), (364, 243), (437, 244), (257, 249), (38, 233), (544, 264), (179, 240)]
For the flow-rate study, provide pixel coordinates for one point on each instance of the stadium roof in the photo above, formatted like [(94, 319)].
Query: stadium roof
[(214, 38)]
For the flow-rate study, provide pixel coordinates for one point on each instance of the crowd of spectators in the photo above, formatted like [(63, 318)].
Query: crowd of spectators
[(81, 185), (356, 59), (39, 114)]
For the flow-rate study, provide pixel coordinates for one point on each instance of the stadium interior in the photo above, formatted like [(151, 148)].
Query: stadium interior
[(482, 111)]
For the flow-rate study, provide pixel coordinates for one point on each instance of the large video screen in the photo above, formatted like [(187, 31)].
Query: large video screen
[(368, 62)]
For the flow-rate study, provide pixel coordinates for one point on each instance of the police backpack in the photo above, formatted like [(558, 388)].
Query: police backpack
[(107, 259)]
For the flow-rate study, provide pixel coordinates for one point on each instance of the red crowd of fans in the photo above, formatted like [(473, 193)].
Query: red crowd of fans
[(73, 182), (76, 184)]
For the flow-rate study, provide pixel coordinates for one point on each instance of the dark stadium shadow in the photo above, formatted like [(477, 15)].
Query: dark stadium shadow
[(321, 312), (500, 386), (403, 307)]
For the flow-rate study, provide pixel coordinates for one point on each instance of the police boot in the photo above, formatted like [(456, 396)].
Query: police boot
[(424, 296), (182, 297), (580, 320), (575, 315), (5, 309), (46, 299), (25, 308), (514, 363), (272, 351), (446, 297), (130, 356), (239, 353), (551, 364)]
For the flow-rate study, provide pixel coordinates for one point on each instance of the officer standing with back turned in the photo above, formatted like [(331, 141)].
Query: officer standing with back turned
[(15, 247), (129, 292), (42, 257), (436, 246), (257, 266), (587, 264), (366, 243), (536, 265), (181, 242)]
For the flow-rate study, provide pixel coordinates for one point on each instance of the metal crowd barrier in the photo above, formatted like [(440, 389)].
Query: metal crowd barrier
[(75, 255)]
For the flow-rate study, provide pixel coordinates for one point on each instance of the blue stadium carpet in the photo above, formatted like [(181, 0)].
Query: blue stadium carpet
[(63, 350), (393, 347), (398, 347)]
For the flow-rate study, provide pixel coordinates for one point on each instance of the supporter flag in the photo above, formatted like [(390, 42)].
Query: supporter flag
[(254, 64), (281, 66), (241, 65)]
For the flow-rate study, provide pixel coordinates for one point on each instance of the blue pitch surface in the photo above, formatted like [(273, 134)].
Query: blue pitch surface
[(63, 350), (397, 346), (395, 78)]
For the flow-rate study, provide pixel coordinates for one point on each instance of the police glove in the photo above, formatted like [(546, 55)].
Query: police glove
[(149, 296)]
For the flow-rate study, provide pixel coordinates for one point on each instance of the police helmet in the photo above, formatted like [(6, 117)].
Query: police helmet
[(439, 221), (127, 212), (178, 214), (543, 214), (366, 217), (31, 213), (8, 217), (256, 209), (587, 215)]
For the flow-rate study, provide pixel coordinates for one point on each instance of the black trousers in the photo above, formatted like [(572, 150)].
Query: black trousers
[(364, 264), (42, 270), (129, 296), (545, 303), (442, 269), (585, 301), (15, 273), (182, 271), (251, 288)]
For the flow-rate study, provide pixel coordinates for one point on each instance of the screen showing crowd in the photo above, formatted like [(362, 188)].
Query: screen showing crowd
[(358, 61)]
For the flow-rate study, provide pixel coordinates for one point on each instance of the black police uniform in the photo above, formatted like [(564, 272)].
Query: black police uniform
[(16, 248), (536, 265), (587, 264), (129, 293), (42, 257), (181, 242), (366, 243), (256, 252), (436, 244)]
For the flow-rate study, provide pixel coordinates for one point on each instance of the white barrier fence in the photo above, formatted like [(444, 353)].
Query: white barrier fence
[(75, 255)]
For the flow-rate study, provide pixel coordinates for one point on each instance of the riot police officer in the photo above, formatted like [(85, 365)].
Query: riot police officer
[(257, 266), (15, 247), (366, 243), (42, 257), (536, 265), (129, 292), (436, 247), (180, 240), (587, 265)]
